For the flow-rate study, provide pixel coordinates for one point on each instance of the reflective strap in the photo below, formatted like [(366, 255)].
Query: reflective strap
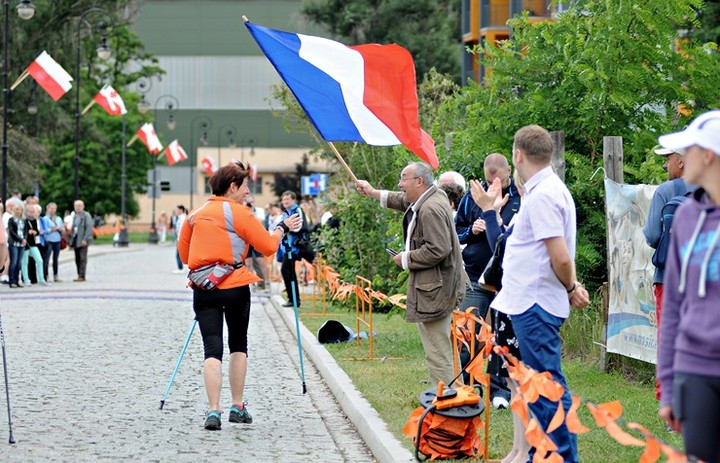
[(190, 217), (238, 244)]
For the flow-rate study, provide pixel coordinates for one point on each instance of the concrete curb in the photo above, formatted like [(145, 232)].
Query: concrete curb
[(382, 443)]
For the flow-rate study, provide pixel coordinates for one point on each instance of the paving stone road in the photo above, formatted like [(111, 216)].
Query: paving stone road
[(89, 362)]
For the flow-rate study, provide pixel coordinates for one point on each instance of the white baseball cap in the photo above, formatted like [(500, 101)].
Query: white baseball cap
[(663, 151), (703, 131)]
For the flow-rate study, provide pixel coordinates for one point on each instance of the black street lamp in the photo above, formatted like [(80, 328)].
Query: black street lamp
[(172, 104), (205, 125), (104, 53), (25, 10), (231, 133)]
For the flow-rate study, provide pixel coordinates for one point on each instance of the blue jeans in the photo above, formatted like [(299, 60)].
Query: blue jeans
[(538, 333), (16, 255)]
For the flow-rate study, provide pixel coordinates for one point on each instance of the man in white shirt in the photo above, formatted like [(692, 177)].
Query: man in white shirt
[(539, 283)]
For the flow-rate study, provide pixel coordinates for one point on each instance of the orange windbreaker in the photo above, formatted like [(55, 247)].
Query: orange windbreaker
[(221, 230)]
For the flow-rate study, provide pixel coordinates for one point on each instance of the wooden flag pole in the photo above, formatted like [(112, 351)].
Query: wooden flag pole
[(87, 108), (19, 80), (342, 161), (132, 140)]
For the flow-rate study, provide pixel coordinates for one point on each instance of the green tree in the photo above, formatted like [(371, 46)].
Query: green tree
[(429, 29), (49, 135), (608, 68)]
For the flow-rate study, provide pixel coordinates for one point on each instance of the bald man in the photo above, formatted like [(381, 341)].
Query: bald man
[(80, 238), (470, 228)]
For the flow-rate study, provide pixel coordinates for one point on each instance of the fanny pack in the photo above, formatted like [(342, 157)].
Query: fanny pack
[(209, 276)]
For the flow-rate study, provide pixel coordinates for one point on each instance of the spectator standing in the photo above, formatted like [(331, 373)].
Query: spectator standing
[(436, 281), (81, 238), (180, 216), (289, 250), (450, 176), (689, 347), (16, 242), (161, 225), (53, 235), (675, 186), (32, 249), (470, 225), (539, 283)]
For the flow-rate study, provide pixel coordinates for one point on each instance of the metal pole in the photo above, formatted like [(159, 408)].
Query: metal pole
[(76, 190), (192, 163), (123, 240), (153, 236), (6, 100), (177, 365)]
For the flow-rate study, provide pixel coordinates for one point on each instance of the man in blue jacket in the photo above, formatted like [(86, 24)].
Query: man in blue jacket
[(289, 249), (675, 186), (470, 228)]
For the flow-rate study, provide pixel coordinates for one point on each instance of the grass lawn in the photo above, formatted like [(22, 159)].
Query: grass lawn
[(392, 387)]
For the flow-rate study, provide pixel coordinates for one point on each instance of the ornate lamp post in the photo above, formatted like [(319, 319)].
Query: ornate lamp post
[(103, 52), (205, 124), (25, 10), (231, 133), (172, 104)]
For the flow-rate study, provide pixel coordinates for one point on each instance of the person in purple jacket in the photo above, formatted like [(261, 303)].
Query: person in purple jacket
[(688, 363)]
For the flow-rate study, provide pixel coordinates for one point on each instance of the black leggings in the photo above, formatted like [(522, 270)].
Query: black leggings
[(696, 403), (287, 269), (209, 308)]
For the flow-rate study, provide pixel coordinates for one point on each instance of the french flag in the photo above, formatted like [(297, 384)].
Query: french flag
[(50, 76), (364, 93)]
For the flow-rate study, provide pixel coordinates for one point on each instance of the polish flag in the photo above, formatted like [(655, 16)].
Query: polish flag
[(175, 153), (149, 138), (363, 93), (111, 102), (210, 166), (50, 76), (253, 172)]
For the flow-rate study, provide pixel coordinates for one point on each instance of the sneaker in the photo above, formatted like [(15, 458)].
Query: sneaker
[(79, 279), (238, 415), (212, 421), (45, 283), (500, 403), (13, 285), (57, 280)]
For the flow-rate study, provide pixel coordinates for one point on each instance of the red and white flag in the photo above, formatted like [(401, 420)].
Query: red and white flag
[(253, 172), (149, 137), (210, 166), (110, 101), (50, 76), (175, 153)]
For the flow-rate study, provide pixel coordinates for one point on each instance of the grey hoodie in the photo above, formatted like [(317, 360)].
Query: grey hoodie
[(690, 327)]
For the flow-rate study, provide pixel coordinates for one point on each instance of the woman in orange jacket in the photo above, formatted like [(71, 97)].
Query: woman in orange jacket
[(220, 232)]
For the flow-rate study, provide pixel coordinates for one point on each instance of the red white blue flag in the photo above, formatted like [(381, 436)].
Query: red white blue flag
[(364, 93)]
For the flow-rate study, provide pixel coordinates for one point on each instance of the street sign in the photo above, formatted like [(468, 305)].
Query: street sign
[(313, 185)]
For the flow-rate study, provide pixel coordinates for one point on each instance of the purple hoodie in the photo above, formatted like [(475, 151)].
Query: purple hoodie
[(690, 324)]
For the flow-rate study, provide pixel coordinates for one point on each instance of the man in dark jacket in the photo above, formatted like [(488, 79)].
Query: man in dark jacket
[(470, 228), (289, 249), (436, 281)]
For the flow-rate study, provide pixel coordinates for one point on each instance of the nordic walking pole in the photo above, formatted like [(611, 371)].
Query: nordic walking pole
[(7, 388), (299, 339), (177, 366)]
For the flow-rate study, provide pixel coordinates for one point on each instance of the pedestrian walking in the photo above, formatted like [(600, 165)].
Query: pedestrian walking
[(214, 242)]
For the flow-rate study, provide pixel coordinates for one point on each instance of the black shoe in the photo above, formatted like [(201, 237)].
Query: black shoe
[(288, 304), (212, 421), (240, 416)]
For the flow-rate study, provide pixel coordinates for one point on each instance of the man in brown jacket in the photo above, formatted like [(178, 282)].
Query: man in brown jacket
[(436, 282)]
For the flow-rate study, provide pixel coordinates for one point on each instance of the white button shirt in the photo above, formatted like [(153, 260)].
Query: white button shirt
[(547, 211)]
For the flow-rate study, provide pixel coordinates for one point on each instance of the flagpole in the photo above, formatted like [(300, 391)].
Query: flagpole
[(342, 161), (123, 240), (132, 140), (19, 80), (87, 108)]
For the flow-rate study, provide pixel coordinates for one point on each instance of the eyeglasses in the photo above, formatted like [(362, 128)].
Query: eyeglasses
[(403, 180)]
